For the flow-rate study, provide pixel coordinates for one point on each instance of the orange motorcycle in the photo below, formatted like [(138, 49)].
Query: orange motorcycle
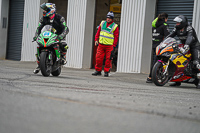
[(173, 65)]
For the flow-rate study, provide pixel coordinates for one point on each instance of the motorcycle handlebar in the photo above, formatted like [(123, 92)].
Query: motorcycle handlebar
[(181, 53), (176, 47)]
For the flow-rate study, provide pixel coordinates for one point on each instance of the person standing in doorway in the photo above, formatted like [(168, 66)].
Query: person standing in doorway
[(159, 31), (106, 39)]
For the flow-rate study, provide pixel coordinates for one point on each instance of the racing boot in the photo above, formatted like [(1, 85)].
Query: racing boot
[(196, 63), (175, 84), (37, 70), (63, 59), (96, 73)]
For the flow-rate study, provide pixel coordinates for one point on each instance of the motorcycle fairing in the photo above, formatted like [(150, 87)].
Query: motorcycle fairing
[(179, 60)]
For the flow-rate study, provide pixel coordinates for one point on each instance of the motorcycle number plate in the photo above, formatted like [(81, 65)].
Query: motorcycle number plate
[(47, 34)]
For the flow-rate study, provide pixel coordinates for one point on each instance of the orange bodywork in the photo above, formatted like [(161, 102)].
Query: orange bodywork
[(157, 50), (167, 49)]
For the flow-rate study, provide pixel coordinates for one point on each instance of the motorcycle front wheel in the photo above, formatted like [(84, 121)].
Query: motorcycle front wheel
[(158, 76), (45, 64)]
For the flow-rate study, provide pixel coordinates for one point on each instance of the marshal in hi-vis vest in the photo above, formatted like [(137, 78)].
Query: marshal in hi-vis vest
[(106, 34)]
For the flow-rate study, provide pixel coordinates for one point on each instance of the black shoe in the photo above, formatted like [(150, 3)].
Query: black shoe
[(197, 83), (175, 84), (198, 86), (96, 73), (106, 74), (37, 70), (149, 80)]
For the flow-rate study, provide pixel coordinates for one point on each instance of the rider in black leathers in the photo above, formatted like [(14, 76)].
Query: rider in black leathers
[(186, 33), (50, 17)]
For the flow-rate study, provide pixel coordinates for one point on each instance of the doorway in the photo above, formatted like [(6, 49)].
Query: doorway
[(15, 30), (102, 8), (61, 7)]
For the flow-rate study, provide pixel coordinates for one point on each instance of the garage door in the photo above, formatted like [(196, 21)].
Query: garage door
[(15, 29), (174, 8)]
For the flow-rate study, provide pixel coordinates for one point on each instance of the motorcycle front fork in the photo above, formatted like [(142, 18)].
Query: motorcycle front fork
[(166, 68), (57, 51)]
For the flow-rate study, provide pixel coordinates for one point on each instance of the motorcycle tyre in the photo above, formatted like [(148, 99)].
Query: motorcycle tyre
[(43, 64), (154, 75), (57, 72)]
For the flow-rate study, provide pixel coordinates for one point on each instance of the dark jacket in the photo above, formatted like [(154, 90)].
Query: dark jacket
[(187, 36), (159, 31), (58, 22)]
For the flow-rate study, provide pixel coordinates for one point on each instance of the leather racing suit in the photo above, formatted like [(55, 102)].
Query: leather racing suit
[(188, 37)]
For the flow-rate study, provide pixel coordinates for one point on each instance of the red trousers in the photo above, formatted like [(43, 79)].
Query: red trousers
[(103, 50)]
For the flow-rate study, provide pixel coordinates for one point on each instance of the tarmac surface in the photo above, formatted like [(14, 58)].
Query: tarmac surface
[(77, 102)]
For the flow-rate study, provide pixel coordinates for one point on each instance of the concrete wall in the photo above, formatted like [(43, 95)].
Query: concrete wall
[(4, 10), (147, 36), (88, 39)]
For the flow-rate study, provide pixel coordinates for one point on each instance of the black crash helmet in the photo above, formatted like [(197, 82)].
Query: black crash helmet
[(181, 19)]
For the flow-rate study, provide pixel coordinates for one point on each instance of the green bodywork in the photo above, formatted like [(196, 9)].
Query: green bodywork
[(46, 39)]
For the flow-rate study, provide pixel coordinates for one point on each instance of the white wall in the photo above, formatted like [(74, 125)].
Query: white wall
[(0, 8), (79, 37), (135, 36), (31, 19), (4, 10), (131, 36), (196, 17), (32, 14)]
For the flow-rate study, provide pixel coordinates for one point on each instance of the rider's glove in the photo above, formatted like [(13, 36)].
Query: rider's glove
[(60, 37), (34, 38), (185, 49), (182, 50)]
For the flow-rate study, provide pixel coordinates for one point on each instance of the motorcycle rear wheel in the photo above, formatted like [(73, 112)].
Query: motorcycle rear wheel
[(45, 64), (57, 72), (157, 75)]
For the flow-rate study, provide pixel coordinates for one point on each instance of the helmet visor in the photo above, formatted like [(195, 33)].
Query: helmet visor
[(177, 19), (44, 7)]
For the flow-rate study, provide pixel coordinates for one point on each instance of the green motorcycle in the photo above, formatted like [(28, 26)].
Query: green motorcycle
[(49, 52)]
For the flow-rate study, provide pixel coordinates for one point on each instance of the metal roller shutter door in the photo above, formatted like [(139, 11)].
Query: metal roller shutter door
[(15, 32), (174, 8)]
